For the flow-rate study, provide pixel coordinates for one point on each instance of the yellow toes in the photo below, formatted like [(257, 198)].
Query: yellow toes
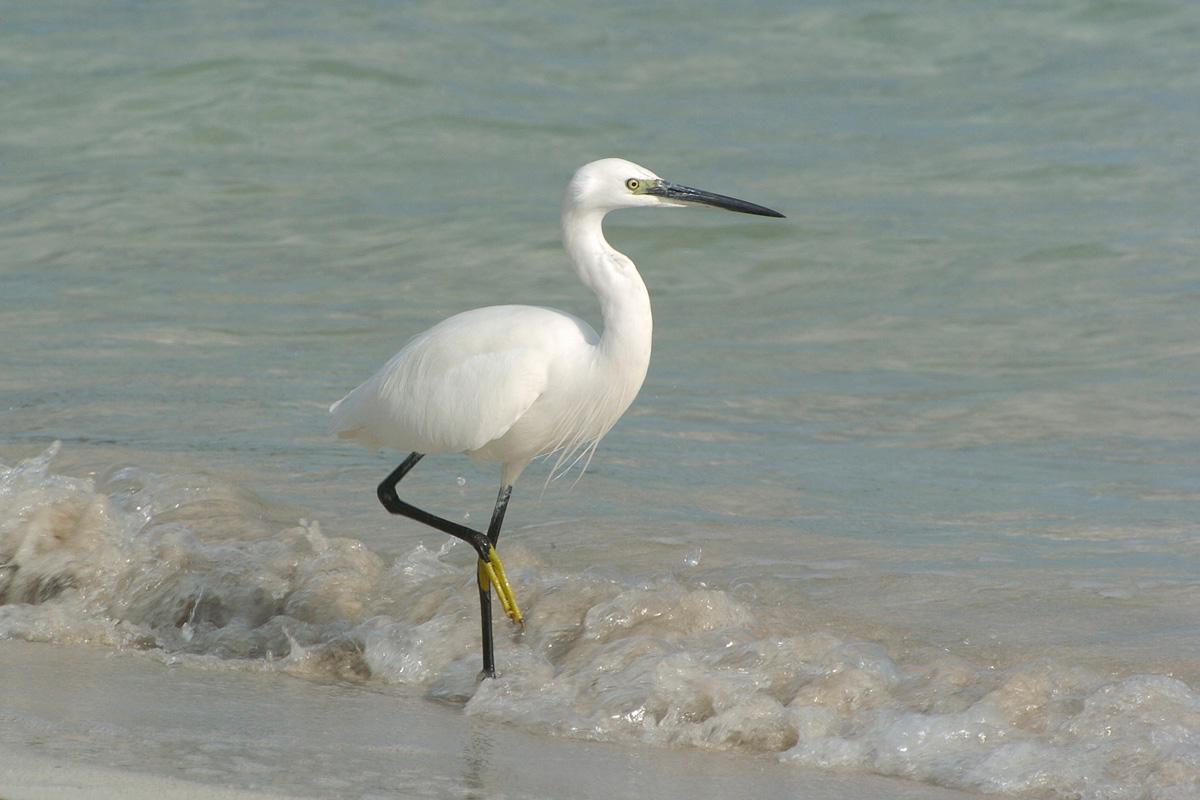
[(491, 572)]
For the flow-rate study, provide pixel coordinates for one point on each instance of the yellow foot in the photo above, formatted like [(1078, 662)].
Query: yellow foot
[(491, 572)]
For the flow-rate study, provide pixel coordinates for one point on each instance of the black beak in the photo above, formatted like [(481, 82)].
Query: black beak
[(686, 194)]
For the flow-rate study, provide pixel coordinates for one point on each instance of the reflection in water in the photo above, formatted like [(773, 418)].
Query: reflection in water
[(476, 759)]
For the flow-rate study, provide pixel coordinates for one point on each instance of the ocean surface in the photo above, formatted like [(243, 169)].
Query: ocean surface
[(912, 488)]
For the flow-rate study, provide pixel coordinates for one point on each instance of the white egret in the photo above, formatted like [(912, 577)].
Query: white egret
[(511, 383)]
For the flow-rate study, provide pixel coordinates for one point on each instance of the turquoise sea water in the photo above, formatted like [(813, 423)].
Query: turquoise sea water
[(912, 484)]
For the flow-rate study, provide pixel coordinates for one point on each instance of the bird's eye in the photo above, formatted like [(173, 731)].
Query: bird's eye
[(633, 184)]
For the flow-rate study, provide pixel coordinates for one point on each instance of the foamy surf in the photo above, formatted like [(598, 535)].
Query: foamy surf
[(190, 569)]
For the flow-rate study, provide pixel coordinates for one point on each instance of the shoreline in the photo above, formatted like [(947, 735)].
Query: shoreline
[(93, 724), (25, 775)]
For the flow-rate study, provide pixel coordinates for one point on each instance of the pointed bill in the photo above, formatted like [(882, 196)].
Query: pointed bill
[(686, 194)]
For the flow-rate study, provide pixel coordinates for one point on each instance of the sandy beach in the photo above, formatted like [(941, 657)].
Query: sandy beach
[(82, 723), (30, 777)]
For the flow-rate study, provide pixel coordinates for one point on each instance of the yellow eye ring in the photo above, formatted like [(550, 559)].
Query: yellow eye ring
[(633, 184)]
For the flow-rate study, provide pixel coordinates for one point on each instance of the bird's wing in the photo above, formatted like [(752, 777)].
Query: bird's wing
[(462, 383)]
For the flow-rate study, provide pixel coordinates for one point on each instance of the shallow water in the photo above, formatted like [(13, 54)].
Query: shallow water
[(911, 486)]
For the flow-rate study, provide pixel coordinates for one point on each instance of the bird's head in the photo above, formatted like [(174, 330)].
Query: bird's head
[(612, 183)]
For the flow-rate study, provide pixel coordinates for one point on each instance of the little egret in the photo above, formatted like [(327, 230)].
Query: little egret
[(511, 383)]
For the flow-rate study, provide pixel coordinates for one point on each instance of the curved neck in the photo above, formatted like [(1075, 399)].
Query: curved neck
[(624, 301)]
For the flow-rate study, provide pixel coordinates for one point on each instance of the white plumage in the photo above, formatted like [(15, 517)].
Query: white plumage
[(504, 384), (510, 383)]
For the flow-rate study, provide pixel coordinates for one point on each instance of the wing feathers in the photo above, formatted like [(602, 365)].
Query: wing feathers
[(461, 384)]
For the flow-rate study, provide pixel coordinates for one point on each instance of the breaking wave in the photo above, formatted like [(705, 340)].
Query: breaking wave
[(188, 568)]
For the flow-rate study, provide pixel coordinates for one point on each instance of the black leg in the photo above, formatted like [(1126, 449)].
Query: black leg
[(484, 545), (485, 585), (498, 514), (387, 496)]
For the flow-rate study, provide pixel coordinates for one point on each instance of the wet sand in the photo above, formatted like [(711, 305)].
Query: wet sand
[(81, 722)]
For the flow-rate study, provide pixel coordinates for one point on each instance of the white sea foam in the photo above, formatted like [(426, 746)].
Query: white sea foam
[(185, 568)]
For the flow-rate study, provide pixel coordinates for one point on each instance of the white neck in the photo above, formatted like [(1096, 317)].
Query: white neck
[(624, 301)]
